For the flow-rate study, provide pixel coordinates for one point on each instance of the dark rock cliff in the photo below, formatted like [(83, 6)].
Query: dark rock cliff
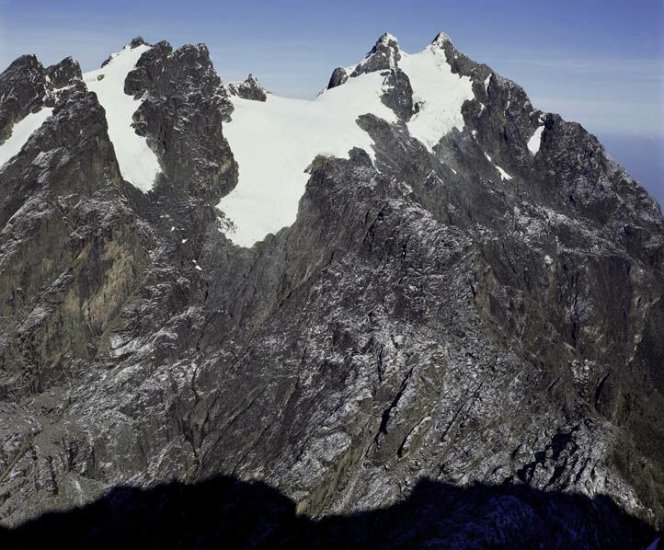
[(423, 317)]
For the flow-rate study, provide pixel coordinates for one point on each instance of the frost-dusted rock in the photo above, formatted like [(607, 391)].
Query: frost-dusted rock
[(137, 41), (384, 55), (26, 87), (22, 89), (424, 316), (339, 76), (251, 88), (398, 94), (62, 74), (183, 106)]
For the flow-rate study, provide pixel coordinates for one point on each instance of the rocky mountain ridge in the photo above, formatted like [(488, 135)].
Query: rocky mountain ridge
[(482, 304)]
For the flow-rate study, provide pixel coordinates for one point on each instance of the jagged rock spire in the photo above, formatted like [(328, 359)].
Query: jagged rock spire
[(441, 39), (138, 41), (387, 39), (384, 55)]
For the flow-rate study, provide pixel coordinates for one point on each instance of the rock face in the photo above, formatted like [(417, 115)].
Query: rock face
[(26, 86), (384, 58), (249, 89), (488, 310)]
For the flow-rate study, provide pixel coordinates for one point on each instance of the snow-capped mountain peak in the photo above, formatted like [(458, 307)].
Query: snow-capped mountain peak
[(420, 90), (385, 54), (387, 39), (441, 39)]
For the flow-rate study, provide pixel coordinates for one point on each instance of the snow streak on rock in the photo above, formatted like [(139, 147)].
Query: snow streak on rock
[(535, 141), (21, 133), (138, 163)]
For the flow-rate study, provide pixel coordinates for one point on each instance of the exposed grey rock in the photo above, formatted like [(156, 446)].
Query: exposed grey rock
[(137, 41), (384, 58), (399, 94), (181, 115), (22, 88), (384, 55), (62, 74), (423, 317), (249, 89), (26, 86), (339, 76)]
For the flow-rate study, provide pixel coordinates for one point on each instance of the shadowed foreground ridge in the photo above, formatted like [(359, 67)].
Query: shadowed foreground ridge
[(227, 512)]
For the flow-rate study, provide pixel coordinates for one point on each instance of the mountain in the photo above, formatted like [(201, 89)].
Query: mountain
[(415, 276)]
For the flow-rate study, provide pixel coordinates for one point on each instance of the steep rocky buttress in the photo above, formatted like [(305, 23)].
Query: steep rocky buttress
[(477, 298)]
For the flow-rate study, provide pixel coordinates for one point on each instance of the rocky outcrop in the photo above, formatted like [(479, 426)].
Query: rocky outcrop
[(22, 88), (339, 76), (181, 114), (249, 89), (26, 86), (384, 55), (64, 73), (384, 58), (483, 311)]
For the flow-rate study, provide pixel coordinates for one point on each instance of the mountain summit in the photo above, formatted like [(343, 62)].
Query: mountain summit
[(415, 275)]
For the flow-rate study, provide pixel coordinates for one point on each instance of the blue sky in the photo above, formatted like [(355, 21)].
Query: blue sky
[(598, 62)]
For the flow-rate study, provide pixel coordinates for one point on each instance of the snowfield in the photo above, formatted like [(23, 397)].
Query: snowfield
[(440, 91), (275, 141), (138, 163)]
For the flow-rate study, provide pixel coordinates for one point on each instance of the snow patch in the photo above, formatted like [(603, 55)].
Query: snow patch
[(275, 141), (503, 174), (535, 141), (138, 163), (440, 91), (21, 132)]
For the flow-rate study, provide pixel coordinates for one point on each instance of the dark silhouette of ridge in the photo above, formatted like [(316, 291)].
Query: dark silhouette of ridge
[(225, 512)]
